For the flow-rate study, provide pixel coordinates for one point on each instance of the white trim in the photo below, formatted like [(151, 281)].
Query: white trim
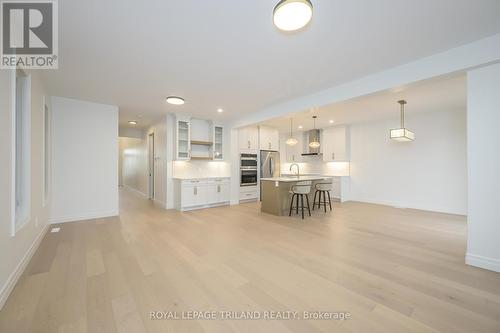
[(13, 155), (491, 264), (46, 164), (135, 190), (82, 217), (160, 203), (18, 271), (399, 205)]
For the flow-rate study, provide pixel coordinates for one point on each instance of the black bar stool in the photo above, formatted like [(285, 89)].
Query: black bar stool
[(323, 189), (298, 191)]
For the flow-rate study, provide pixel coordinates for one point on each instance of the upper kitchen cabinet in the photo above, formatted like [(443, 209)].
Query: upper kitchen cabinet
[(336, 144), (248, 138), (183, 139), (218, 142), (269, 138)]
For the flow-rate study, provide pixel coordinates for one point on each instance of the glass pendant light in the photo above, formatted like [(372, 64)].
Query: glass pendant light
[(291, 141), (290, 15), (402, 134), (315, 142)]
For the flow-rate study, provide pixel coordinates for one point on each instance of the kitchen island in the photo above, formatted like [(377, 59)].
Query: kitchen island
[(275, 192)]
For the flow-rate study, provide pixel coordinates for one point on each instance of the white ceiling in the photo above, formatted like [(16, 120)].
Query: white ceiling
[(429, 96), (228, 54)]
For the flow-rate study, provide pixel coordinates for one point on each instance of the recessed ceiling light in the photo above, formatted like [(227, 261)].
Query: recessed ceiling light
[(220, 110), (132, 122), (175, 100), (290, 15), (331, 121), (300, 126)]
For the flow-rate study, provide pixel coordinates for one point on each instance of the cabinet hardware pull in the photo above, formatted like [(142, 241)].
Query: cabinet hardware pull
[(218, 188), (333, 156), (195, 190)]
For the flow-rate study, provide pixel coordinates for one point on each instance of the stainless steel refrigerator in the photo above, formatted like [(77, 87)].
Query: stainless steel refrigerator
[(269, 164)]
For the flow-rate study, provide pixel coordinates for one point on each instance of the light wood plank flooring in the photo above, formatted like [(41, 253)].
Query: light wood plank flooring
[(393, 270)]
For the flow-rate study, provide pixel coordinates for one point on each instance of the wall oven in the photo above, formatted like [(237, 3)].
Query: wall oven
[(248, 177), (248, 169), (248, 161)]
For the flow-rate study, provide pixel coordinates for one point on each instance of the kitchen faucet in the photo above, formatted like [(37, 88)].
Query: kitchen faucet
[(298, 168)]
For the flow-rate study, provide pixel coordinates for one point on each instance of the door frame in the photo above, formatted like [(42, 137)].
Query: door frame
[(151, 166)]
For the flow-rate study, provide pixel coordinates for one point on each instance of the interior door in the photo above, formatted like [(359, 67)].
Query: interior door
[(151, 165)]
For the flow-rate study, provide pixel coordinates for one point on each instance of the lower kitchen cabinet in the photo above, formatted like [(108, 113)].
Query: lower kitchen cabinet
[(201, 193)]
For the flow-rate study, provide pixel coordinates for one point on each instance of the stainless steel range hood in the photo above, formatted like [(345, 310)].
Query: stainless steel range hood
[(311, 136)]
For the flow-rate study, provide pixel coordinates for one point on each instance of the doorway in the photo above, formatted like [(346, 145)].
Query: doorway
[(151, 166)]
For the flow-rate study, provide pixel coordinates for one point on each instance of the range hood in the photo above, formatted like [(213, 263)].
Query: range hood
[(311, 136)]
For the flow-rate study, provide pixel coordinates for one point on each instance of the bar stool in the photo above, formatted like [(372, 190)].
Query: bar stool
[(323, 189), (299, 190)]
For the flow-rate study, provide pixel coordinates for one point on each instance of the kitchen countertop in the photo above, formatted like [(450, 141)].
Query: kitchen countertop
[(199, 178), (295, 179)]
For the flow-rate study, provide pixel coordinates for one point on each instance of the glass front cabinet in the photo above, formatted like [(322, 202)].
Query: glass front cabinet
[(218, 143), (183, 130)]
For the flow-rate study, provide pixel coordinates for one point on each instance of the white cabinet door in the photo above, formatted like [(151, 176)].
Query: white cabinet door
[(218, 143), (336, 188), (268, 138), (335, 144), (224, 192), (183, 140), (248, 138), (253, 137), (188, 196), (212, 193)]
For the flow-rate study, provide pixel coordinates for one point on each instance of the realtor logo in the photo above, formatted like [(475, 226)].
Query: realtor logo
[(29, 34)]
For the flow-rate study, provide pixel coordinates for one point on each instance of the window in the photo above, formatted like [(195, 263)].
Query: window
[(46, 153), (21, 138)]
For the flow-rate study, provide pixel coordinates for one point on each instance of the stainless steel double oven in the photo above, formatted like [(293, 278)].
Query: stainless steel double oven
[(248, 169)]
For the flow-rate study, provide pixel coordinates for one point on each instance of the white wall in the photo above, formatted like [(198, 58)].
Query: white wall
[(429, 173), (133, 168), (161, 139), (85, 160), (15, 251), (483, 119)]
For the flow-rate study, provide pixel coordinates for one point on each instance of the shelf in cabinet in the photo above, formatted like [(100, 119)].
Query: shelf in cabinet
[(201, 143), (201, 158)]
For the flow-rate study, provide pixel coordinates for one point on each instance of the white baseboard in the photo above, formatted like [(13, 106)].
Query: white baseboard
[(491, 264), (21, 266), (437, 209), (135, 191), (81, 217)]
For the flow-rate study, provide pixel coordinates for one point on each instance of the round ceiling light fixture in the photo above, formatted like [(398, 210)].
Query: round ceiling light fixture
[(220, 110), (175, 100), (132, 122), (291, 15)]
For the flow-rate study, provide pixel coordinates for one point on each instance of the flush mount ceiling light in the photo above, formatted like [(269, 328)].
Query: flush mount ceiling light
[(300, 127), (291, 141), (175, 100), (331, 121), (290, 15), (220, 110), (132, 122), (315, 143), (402, 134)]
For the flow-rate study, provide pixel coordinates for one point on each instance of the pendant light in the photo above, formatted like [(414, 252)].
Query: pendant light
[(402, 134), (290, 15), (291, 141), (315, 142)]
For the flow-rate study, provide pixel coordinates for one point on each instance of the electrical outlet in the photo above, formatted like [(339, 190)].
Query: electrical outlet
[(55, 229)]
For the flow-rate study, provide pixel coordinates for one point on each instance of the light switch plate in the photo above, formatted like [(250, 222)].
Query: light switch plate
[(55, 229)]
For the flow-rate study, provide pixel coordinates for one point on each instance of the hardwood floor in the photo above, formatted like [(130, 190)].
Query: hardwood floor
[(393, 270)]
